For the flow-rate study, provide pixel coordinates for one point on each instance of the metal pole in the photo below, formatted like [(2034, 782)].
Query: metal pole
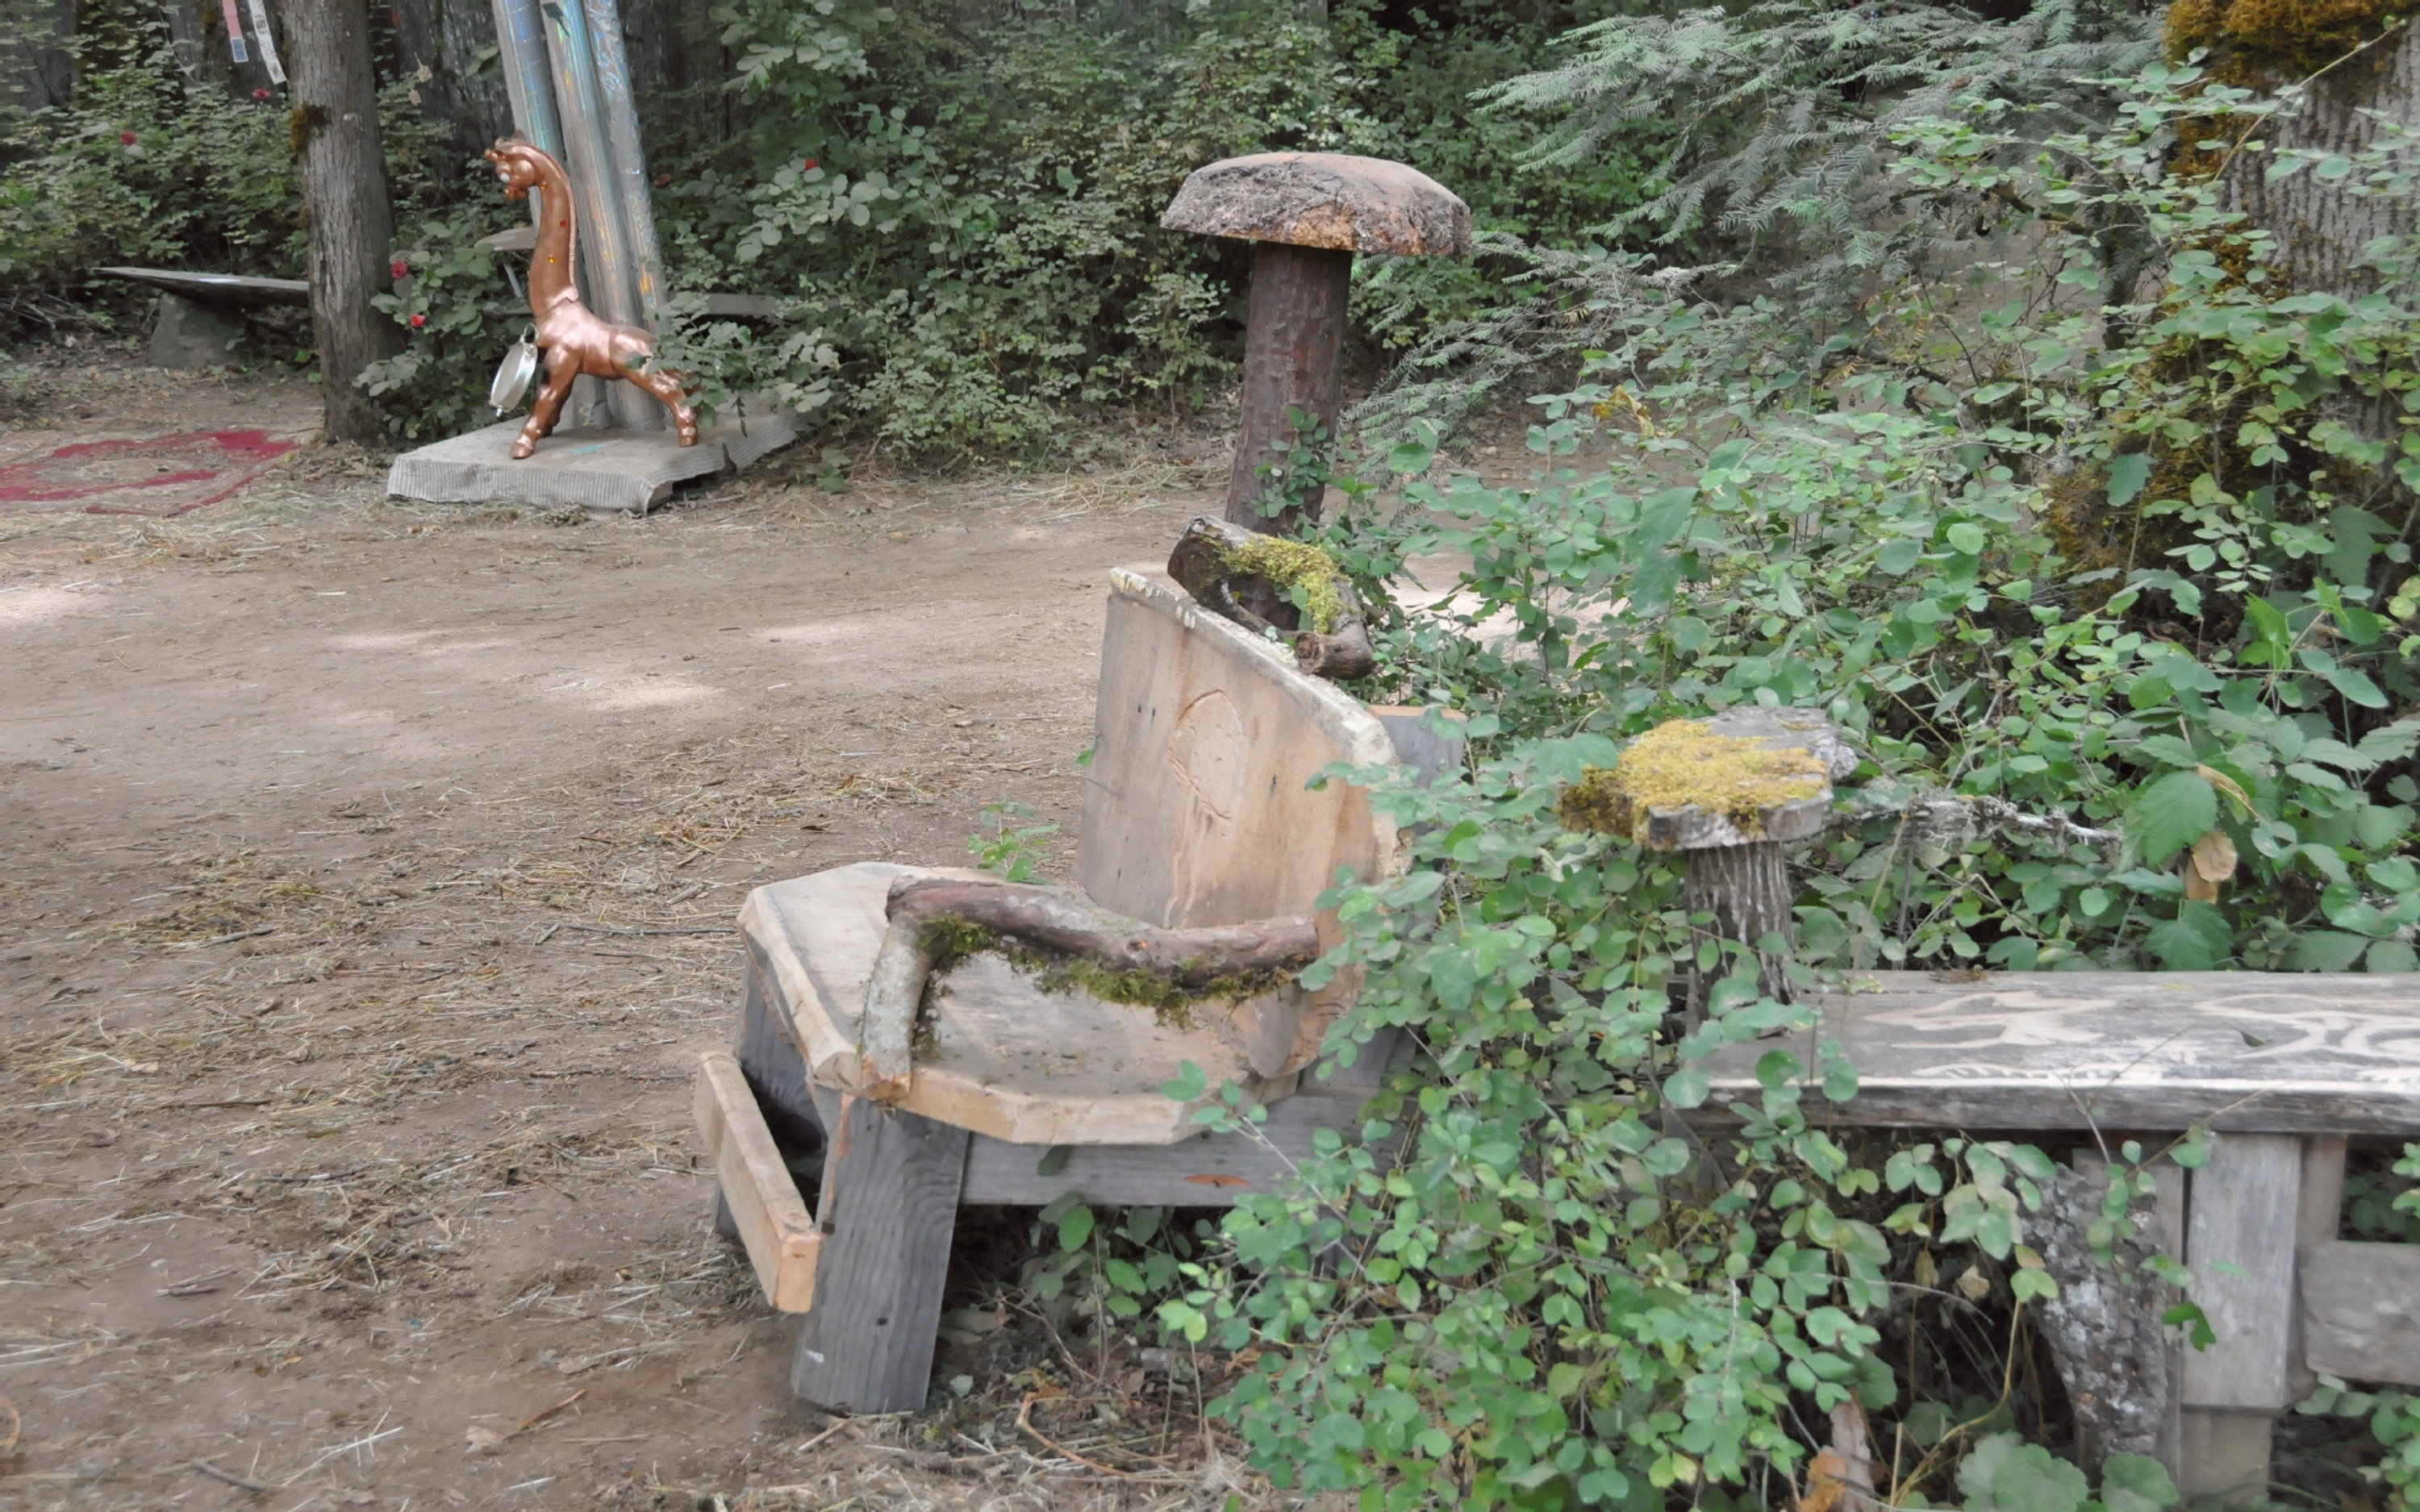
[(520, 42), (604, 240), (621, 116)]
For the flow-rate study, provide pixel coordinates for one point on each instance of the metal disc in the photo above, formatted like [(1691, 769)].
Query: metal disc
[(512, 376)]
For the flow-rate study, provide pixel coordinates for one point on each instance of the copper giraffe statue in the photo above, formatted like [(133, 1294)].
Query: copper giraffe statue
[(574, 339)]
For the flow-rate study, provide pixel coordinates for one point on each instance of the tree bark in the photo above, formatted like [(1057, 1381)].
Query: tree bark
[(1294, 335), (343, 170), (1051, 919), (2320, 226), (1746, 888)]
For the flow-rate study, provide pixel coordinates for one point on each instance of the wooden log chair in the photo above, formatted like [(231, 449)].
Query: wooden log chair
[(1202, 853), (2285, 1069)]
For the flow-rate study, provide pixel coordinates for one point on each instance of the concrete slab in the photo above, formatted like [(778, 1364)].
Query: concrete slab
[(598, 471)]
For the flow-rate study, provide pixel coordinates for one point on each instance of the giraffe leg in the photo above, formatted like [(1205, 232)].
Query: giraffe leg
[(548, 405), (666, 386)]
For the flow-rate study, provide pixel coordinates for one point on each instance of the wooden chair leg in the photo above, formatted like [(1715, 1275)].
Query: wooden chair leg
[(890, 1205)]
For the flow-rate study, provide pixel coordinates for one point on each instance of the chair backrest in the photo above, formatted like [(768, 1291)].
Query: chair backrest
[(1197, 808)]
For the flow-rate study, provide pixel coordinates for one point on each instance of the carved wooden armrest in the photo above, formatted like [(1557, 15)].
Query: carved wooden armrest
[(935, 920)]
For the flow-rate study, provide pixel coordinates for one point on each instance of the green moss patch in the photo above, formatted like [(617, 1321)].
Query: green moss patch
[(950, 938), (1290, 565), (1682, 762)]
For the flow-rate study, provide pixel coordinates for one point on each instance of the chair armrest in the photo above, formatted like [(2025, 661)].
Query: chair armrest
[(1051, 919)]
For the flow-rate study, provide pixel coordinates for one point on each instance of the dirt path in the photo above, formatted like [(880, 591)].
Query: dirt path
[(366, 900)]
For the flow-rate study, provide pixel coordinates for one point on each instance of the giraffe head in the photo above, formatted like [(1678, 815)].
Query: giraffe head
[(520, 166)]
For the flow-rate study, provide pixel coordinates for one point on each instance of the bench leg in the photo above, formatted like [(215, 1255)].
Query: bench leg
[(2258, 1200), (890, 1205)]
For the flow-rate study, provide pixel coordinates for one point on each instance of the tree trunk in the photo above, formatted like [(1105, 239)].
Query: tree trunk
[(1746, 888), (1294, 332), (345, 200), (2320, 228)]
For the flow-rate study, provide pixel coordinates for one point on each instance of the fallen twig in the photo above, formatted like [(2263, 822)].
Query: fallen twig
[(1025, 1422), (543, 1413), (228, 1477)]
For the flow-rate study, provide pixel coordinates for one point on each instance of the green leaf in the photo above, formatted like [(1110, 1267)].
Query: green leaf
[(2392, 955), (2171, 814), (1074, 1228), (2197, 939), (2356, 685), (2127, 476), (2136, 1482), (2322, 949), (2004, 1473), (1898, 556), (1687, 1088), (1187, 1085)]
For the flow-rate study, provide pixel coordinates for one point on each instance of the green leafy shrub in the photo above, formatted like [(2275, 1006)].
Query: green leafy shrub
[(1557, 1296)]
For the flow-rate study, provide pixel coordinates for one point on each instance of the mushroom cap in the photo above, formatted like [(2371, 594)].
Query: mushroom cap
[(1324, 199)]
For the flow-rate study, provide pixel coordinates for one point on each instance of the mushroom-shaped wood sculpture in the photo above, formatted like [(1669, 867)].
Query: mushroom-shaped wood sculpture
[(1310, 212), (1728, 790)]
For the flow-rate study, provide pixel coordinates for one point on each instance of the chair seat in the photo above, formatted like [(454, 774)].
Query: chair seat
[(1002, 1058)]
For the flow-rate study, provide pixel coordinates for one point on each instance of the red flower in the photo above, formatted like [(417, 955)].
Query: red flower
[(261, 95), (418, 321), (663, 181), (126, 138), (809, 165), (399, 268)]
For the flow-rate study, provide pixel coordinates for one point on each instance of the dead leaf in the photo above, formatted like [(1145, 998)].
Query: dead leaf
[(2213, 856), (1928, 1270), (484, 1440), (2225, 784), (1825, 1480), (1217, 1180), (1972, 1285)]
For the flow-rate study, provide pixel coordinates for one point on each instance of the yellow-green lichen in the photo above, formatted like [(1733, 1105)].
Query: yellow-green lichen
[(950, 938), (1290, 565), (1684, 763), (2259, 43)]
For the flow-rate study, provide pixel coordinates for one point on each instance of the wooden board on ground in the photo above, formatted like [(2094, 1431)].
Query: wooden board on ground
[(757, 1192), (2241, 1051), (1004, 1058), (599, 471)]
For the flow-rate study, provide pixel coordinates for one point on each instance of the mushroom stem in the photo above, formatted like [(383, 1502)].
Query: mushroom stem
[(1294, 335)]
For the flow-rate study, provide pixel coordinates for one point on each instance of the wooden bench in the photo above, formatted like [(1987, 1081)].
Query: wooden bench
[(198, 323), (2284, 1067), (1198, 811)]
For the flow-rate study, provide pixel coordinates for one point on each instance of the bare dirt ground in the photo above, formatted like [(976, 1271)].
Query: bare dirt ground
[(368, 880)]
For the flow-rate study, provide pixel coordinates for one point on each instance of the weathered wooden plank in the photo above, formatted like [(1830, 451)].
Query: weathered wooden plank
[(2360, 1311), (2243, 1051), (758, 1197), (775, 1071), (2240, 1243), (892, 1183), (1211, 1170), (2222, 1456), (1197, 806), (217, 288)]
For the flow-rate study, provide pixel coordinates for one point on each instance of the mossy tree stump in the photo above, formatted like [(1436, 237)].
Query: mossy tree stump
[(1729, 792)]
